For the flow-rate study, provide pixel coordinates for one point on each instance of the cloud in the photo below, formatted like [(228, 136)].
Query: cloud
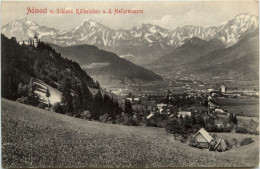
[(189, 18), (166, 21)]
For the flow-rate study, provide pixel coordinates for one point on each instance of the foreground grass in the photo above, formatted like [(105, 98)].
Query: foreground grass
[(32, 137)]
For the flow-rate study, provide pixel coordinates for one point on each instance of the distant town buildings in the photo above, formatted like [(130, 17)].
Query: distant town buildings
[(241, 92)]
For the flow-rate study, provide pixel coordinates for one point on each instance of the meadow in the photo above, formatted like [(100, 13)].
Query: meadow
[(249, 106), (32, 137)]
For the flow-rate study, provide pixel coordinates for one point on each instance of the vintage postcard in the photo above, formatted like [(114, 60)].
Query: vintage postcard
[(129, 84)]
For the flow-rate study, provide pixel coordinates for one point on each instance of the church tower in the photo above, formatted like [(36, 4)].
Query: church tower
[(35, 40)]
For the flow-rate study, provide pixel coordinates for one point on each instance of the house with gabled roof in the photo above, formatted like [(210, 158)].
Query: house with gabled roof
[(203, 138), (221, 145)]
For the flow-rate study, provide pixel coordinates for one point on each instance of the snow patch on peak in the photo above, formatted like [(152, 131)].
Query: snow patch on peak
[(29, 22), (86, 20), (127, 56)]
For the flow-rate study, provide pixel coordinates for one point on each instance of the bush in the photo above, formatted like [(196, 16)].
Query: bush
[(255, 132), (246, 141), (193, 142), (212, 144), (241, 130), (41, 105), (23, 100), (158, 120), (58, 108), (227, 129), (104, 118), (229, 146), (85, 115), (234, 142), (151, 122), (183, 140), (129, 120), (211, 128)]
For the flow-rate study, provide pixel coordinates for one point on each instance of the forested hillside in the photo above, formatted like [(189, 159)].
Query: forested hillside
[(21, 64)]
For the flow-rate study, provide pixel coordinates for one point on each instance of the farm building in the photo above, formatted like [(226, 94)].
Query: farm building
[(221, 145), (203, 138), (184, 113)]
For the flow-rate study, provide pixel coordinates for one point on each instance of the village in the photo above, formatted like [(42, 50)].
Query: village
[(199, 115)]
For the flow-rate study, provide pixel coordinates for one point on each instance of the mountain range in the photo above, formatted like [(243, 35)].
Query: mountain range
[(239, 60), (205, 60), (141, 44), (192, 49)]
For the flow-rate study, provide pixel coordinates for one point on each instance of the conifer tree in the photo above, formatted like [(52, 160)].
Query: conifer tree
[(128, 107), (48, 96), (32, 97), (97, 106), (87, 98), (78, 102), (66, 98)]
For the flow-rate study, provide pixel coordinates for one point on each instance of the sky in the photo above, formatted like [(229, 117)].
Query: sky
[(167, 14)]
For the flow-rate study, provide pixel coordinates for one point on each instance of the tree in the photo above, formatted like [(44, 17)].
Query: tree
[(174, 127), (66, 97), (57, 107), (200, 121), (97, 85), (128, 107), (117, 109), (97, 106), (235, 119), (246, 141), (232, 118), (78, 102), (210, 120), (186, 123), (48, 96), (32, 96), (87, 98), (234, 142), (193, 142), (20, 90)]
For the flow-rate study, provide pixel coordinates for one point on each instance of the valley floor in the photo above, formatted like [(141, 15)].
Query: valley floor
[(32, 137)]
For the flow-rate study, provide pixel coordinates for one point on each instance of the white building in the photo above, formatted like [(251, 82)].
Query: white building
[(223, 89), (161, 106), (30, 41), (184, 113)]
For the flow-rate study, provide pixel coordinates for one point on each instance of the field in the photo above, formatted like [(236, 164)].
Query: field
[(249, 107), (33, 137)]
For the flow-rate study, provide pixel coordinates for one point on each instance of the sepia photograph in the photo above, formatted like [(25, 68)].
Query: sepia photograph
[(129, 84)]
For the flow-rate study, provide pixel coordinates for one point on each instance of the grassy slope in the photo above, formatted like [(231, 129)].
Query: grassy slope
[(55, 94), (41, 89), (39, 138)]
